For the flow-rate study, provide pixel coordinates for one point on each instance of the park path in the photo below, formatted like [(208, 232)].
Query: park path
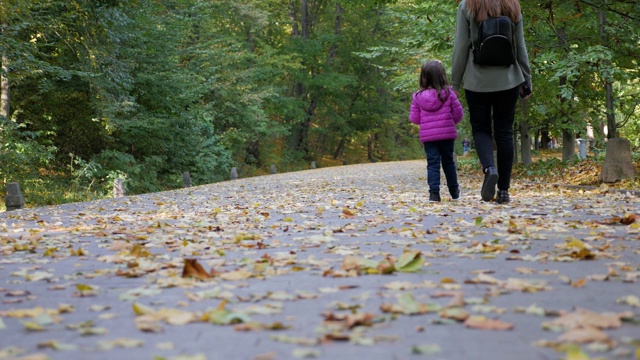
[(290, 266)]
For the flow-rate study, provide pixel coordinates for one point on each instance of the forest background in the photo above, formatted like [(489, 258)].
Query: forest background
[(95, 90)]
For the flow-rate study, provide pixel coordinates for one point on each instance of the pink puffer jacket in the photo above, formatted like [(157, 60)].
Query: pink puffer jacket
[(437, 119)]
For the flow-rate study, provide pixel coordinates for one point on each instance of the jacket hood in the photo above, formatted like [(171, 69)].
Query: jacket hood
[(428, 99)]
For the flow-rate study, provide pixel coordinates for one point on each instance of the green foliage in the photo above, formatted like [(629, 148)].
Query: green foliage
[(20, 155), (148, 90)]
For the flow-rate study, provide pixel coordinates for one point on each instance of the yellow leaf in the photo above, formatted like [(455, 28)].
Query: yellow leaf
[(140, 309), (575, 353), (575, 243), (50, 252), (33, 326), (84, 287)]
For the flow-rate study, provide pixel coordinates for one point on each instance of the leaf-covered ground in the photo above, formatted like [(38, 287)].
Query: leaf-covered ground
[(333, 263)]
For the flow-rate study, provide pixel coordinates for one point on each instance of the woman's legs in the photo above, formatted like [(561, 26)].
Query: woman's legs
[(493, 113), (504, 109), (481, 127)]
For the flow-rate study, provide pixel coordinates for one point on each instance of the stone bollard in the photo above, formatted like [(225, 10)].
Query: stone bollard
[(273, 169), (582, 149), (14, 199), (234, 173), (118, 188), (186, 179), (313, 164)]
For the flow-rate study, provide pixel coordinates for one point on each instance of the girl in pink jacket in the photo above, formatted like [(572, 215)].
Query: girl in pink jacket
[(437, 110)]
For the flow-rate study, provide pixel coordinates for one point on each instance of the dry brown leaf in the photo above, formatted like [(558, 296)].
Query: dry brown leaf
[(585, 318), (630, 219), (584, 335), (484, 323), (193, 269), (457, 301), (579, 283)]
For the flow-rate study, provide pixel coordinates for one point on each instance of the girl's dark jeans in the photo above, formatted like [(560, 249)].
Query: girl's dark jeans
[(440, 152), (502, 105)]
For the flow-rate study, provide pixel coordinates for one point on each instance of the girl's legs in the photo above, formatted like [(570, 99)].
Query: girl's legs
[(433, 166), (446, 148)]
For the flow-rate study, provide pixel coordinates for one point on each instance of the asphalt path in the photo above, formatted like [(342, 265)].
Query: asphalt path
[(290, 268)]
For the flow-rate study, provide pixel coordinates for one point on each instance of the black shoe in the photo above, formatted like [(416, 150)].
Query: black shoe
[(503, 197), (489, 185), (455, 193), (435, 197)]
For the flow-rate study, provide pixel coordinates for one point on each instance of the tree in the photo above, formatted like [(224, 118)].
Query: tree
[(582, 64)]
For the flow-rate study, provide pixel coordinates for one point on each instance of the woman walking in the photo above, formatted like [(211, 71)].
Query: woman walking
[(491, 90)]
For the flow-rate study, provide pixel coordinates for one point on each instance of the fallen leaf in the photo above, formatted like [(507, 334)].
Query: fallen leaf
[(193, 269), (426, 349), (584, 335), (236, 275), (410, 261), (579, 283), (582, 318), (630, 300), (484, 323)]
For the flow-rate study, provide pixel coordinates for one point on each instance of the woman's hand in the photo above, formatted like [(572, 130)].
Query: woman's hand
[(525, 91)]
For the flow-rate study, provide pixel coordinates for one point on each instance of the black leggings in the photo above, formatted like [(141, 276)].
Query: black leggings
[(498, 109)]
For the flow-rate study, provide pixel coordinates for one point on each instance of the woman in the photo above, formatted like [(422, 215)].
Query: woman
[(491, 91)]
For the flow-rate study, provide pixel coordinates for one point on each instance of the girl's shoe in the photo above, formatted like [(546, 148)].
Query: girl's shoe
[(434, 197), (503, 197)]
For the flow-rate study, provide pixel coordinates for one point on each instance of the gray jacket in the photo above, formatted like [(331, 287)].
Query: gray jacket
[(480, 78)]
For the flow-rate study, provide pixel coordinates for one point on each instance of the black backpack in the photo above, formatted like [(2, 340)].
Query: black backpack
[(495, 44)]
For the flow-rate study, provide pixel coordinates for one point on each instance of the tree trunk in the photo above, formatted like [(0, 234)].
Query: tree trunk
[(370, 148), (544, 138), (525, 138), (568, 145), (337, 27), (300, 27), (611, 118), (340, 149), (568, 137), (5, 89)]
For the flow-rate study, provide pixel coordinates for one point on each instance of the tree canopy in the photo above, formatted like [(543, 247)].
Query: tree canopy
[(145, 90)]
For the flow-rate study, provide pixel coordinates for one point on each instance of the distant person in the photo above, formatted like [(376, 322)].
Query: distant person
[(465, 146), (436, 108), (491, 91)]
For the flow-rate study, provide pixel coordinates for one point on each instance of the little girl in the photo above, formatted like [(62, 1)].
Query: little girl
[(437, 110)]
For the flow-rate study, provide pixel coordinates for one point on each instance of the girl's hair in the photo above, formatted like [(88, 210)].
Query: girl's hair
[(483, 9), (434, 76)]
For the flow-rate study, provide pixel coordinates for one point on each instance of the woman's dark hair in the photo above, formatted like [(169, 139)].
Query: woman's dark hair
[(434, 76)]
